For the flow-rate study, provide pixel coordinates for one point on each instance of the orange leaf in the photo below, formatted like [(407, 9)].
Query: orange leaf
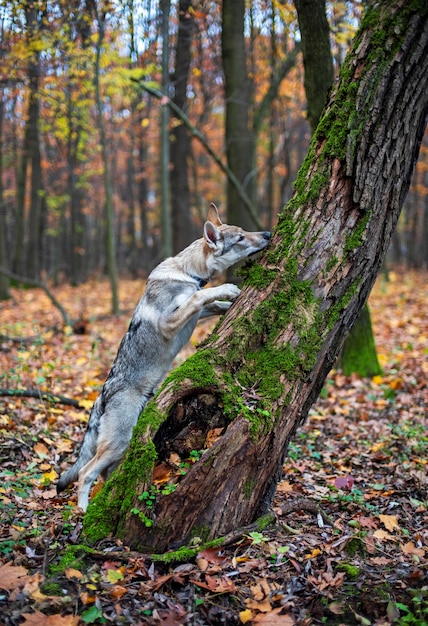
[(390, 522), (410, 548), (118, 591), (11, 576), (274, 618), (40, 619)]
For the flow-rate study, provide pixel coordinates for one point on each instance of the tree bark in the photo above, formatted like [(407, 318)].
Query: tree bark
[(181, 216), (258, 375), (4, 280), (239, 138), (100, 16), (317, 58)]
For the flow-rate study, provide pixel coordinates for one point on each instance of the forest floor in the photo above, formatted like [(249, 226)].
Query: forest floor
[(361, 459)]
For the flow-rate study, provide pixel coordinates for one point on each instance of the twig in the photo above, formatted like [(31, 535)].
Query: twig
[(41, 395), (33, 282), (304, 504), (198, 135)]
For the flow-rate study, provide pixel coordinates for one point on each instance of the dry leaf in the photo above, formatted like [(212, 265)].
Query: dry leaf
[(245, 616), (274, 618), (40, 619), (390, 522), (11, 576), (382, 534), (410, 548)]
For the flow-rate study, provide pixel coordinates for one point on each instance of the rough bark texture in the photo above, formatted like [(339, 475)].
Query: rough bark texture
[(317, 58), (238, 94), (258, 375), (359, 350), (182, 225)]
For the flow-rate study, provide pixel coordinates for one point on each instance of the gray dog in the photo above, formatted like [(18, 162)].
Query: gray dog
[(162, 323)]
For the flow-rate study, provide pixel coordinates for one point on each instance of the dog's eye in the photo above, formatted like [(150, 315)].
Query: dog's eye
[(241, 237)]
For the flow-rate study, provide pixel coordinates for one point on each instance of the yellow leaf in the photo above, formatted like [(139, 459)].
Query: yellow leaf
[(377, 380), (390, 522), (50, 476), (245, 616), (114, 575), (86, 404), (315, 552)]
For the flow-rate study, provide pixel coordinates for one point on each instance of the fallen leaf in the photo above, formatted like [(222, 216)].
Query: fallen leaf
[(344, 482), (382, 534), (41, 450), (40, 619), (274, 618), (11, 576), (245, 616), (70, 572), (390, 522), (410, 548)]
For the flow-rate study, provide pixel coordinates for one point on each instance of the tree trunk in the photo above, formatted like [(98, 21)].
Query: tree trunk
[(238, 96), (4, 280), (165, 6), (317, 58), (108, 206), (257, 377), (359, 350), (181, 215)]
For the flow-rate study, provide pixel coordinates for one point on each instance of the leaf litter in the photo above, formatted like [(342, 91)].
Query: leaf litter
[(361, 458)]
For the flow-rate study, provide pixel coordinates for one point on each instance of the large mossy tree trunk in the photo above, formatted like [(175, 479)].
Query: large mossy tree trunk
[(259, 373), (359, 350)]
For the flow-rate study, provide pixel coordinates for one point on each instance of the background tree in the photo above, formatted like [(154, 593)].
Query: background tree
[(30, 162), (183, 228), (238, 97), (165, 6), (257, 377), (100, 11)]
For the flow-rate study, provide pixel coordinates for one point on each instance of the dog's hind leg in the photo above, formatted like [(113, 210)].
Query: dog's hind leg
[(104, 461)]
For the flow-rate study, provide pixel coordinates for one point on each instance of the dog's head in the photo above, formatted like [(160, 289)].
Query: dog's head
[(226, 245)]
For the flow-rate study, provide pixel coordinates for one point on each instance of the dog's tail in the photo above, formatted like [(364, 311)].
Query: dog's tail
[(87, 450)]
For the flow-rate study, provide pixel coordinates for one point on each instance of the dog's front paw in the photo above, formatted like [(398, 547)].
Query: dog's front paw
[(230, 291)]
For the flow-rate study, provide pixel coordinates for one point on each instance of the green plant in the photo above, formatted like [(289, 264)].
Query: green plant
[(257, 538), (417, 614)]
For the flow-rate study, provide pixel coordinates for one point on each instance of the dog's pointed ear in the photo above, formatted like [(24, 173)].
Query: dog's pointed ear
[(211, 234), (213, 215)]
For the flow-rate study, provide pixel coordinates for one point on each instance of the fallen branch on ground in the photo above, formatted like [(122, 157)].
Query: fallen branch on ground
[(33, 282), (41, 395)]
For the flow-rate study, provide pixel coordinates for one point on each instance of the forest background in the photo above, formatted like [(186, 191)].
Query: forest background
[(92, 183), (99, 174)]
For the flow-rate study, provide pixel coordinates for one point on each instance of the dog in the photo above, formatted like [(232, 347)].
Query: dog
[(173, 301)]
